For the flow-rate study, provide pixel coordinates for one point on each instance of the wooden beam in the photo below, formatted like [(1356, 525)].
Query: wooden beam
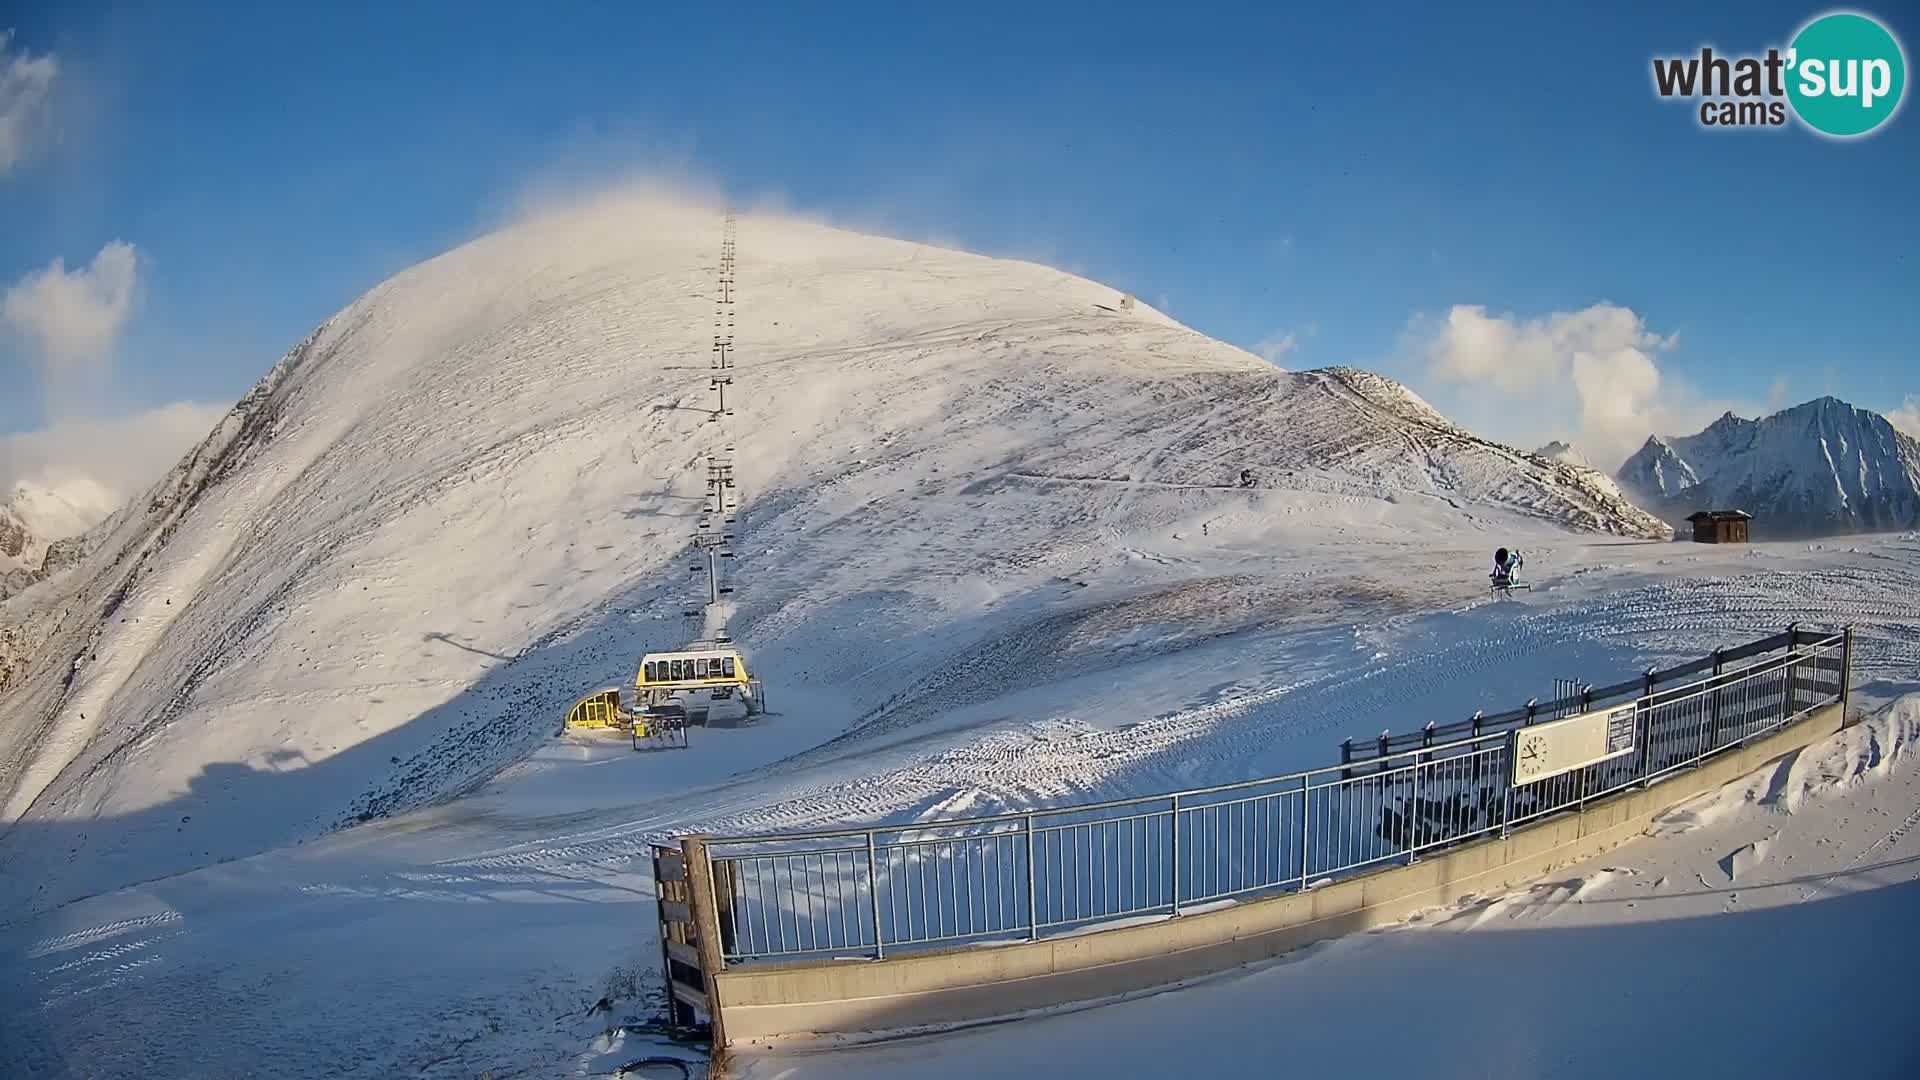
[(706, 924), (693, 997)]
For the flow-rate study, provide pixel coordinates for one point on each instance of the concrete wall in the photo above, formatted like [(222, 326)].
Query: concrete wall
[(854, 997)]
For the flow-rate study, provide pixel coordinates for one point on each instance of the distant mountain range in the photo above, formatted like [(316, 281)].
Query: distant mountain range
[(39, 527), (1566, 453), (1819, 469)]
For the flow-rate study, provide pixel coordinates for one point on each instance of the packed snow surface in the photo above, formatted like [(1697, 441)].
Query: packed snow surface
[(477, 935)]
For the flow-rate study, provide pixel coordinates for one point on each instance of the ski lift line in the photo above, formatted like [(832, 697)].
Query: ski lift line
[(713, 532)]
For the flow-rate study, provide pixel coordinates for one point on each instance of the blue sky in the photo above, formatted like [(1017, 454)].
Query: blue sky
[(1346, 177)]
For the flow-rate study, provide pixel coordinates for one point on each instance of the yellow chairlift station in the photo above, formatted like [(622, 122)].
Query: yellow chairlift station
[(700, 667)]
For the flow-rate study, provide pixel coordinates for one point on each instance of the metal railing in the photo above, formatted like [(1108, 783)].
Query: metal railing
[(1573, 698), (1009, 877)]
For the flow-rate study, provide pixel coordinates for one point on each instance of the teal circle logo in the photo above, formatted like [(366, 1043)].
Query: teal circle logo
[(1846, 74)]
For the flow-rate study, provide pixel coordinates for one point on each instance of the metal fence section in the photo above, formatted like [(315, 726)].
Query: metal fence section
[(871, 892)]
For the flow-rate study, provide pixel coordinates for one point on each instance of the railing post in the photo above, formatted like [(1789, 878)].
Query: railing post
[(1792, 681), (1846, 671), (706, 927), (1646, 734), (1713, 731), (1580, 777), (873, 898), (1033, 903), (1346, 758), (1506, 816), (1176, 854), (1413, 812), (1306, 837)]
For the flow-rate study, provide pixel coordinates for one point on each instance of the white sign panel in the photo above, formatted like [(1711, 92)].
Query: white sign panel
[(1561, 746)]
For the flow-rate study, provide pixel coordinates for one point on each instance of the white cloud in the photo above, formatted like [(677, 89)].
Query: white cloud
[(72, 321), (1280, 343), (1907, 416), (26, 82), (75, 317), (123, 455), (1274, 346), (1591, 376)]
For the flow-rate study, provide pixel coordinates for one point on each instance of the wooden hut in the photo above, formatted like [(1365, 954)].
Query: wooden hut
[(1720, 526)]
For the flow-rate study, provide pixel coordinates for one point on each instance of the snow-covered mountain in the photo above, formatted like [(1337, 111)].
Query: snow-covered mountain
[(1816, 469), (36, 516), (462, 502), (1566, 452)]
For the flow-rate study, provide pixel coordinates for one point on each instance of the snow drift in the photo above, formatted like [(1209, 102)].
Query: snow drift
[(461, 501)]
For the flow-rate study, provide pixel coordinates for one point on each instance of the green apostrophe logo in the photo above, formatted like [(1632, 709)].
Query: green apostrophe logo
[(1843, 75), (1847, 74)]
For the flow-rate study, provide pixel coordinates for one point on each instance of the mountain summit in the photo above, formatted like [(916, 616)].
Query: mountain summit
[(1817, 469), (465, 499), (1566, 452), (36, 517)]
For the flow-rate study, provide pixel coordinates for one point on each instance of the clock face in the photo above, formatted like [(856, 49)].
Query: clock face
[(1533, 755)]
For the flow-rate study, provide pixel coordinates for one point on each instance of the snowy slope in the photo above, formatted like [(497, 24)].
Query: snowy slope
[(459, 504), (476, 936), (1816, 469)]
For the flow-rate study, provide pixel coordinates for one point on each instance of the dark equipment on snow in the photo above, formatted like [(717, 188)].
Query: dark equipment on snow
[(1506, 568)]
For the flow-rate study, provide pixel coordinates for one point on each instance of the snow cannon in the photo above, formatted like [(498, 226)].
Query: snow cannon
[(1506, 574)]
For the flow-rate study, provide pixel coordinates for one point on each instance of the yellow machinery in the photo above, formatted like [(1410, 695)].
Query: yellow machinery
[(600, 709), (652, 729), (703, 670)]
